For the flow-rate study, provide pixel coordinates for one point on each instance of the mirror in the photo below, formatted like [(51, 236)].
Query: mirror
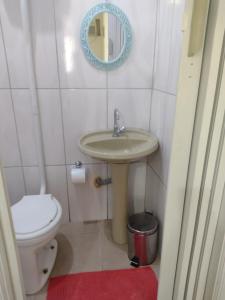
[(106, 36)]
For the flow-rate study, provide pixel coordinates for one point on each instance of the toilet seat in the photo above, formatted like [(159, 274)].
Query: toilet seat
[(35, 215)]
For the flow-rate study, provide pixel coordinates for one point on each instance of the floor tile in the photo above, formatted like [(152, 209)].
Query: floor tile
[(79, 228), (89, 253), (87, 247), (113, 256), (67, 249)]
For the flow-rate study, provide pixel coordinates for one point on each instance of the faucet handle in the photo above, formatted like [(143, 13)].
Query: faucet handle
[(116, 114), (122, 129)]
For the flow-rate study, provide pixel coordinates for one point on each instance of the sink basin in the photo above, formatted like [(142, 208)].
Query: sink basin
[(130, 146)]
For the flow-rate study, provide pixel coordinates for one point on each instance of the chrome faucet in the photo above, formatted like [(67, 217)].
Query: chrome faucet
[(117, 130)]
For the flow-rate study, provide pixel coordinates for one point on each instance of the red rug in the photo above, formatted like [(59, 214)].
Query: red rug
[(132, 284)]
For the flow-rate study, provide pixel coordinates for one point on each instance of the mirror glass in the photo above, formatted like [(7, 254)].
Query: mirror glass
[(106, 36)]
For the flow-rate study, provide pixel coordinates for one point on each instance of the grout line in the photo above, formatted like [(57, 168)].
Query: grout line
[(107, 126), (49, 165), (146, 178), (154, 58), (164, 92), (52, 88), (101, 225), (170, 44), (157, 175), (61, 111), (61, 88), (13, 107), (107, 99), (152, 90), (107, 193), (69, 164)]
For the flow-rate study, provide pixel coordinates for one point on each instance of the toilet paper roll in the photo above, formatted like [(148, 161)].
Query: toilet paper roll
[(78, 175)]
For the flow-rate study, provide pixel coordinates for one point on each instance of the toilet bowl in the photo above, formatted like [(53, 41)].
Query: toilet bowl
[(36, 220)]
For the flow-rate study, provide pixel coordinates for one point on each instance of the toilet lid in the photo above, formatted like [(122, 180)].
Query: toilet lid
[(32, 213)]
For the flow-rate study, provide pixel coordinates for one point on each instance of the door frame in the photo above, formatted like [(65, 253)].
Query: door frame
[(194, 30), (11, 284), (205, 180)]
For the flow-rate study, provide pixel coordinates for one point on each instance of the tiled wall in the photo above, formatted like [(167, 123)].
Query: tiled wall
[(75, 97), (166, 69)]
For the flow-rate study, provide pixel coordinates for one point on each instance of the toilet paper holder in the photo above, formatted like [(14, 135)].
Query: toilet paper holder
[(78, 164), (78, 173)]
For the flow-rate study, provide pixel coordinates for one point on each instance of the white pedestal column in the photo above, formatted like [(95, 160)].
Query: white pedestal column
[(120, 202)]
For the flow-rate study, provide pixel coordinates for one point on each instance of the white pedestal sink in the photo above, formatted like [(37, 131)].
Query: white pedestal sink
[(132, 145)]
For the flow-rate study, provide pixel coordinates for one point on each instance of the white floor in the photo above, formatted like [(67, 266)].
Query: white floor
[(87, 247)]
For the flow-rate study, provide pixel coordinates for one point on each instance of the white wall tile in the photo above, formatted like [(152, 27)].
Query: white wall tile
[(32, 180), (14, 183), (137, 71), (25, 129), (87, 202), (134, 106), (57, 186), (161, 124), (176, 46), (156, 199), (14, 42), (136, 188), (109, 194), (51, 120), (4, 78), (75, 71), (9, 150), (163, 44), (44, 45), (168, 45), (83, 111)]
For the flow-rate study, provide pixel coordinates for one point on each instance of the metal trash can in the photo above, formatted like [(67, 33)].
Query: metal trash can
[(142, 239)]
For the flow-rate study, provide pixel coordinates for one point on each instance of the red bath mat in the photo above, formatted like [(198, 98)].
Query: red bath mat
[(132, 284)]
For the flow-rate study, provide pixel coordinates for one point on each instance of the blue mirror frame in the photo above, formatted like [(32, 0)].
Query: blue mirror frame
[(116, 11)]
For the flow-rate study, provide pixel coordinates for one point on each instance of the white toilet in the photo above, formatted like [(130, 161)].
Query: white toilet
[(36, 221)]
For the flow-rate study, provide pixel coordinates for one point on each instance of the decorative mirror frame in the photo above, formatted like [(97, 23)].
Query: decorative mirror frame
[(116, 11)]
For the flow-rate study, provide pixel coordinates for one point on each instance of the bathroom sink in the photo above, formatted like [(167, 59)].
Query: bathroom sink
[(119, 147), (131, 145)]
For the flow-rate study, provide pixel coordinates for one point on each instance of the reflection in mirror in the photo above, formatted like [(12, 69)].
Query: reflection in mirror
[(106, 37)]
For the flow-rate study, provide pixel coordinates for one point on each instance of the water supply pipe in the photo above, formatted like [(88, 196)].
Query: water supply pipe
[(25, 14)]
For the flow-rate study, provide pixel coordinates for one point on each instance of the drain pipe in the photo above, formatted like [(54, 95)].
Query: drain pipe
[(33, 91)]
